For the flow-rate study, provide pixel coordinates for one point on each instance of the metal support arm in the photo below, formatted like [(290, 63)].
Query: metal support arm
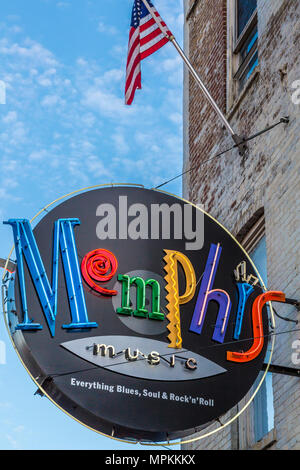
[(283, 370)]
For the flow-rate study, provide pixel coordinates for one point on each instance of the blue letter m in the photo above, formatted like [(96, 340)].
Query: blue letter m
[(63, 238)]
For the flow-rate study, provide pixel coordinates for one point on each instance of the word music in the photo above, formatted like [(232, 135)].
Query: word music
[(153, 358)]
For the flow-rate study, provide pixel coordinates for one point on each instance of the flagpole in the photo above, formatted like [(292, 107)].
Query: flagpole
[(237, 139)]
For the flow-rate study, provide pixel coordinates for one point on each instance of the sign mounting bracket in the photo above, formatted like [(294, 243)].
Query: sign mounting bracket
[(283, 370)]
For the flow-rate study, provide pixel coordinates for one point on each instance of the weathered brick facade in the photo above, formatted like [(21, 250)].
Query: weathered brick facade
[(235, 189)]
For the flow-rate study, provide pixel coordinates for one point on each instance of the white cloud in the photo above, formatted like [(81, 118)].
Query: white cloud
[(30, 51), (81, 62), (112, 75), (106, 28), (10, 117), (88, 120), (19, 429), (52, 100), (96, 167), (44, 81), (6, 404), (38, 155), (71, 120), (120, 143), (63, 4), (12, 441), (172, 63), (105, 102), (176, 118)]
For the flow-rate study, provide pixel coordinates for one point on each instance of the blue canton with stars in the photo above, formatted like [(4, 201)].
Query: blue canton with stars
[(139, 11)]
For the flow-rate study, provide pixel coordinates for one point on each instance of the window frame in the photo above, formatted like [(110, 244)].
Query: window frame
[(246, 424), (235, 66), (240, 40)]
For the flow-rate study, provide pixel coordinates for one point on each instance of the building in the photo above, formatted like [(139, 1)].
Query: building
[(247, 53)]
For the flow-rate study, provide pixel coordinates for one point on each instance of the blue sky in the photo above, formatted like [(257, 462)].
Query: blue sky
[(64, 127)]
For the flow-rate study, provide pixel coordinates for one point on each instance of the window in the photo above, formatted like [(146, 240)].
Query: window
[(242, 43), (263, 405), (263, 401), (245, 9), (245, 41)]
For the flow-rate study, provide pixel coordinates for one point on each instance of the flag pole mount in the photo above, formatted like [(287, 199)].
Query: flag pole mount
[(238, 140)]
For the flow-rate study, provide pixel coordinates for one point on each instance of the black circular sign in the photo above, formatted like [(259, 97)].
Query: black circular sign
[(137, 313)]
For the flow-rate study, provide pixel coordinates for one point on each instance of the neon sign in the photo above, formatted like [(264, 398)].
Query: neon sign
[(120, 309), (99, 265)]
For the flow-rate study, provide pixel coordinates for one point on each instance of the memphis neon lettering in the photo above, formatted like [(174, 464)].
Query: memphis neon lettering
[(140, 310), (63, 238), (100, 266), (207, 293)]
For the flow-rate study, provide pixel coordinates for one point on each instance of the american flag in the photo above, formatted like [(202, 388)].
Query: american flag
[(145, 37)]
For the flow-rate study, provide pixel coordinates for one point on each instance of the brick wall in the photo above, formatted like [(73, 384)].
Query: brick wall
[(233, 188), (208, 55)]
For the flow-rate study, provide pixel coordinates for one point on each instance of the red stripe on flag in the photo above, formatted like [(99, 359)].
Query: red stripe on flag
[(134, 65), (147, 25), (150, 36), (137, 85), (150, 23), (131, 54), (154, 48), (133, 46)]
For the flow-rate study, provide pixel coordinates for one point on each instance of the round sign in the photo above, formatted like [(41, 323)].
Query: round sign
[(136, 312)]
